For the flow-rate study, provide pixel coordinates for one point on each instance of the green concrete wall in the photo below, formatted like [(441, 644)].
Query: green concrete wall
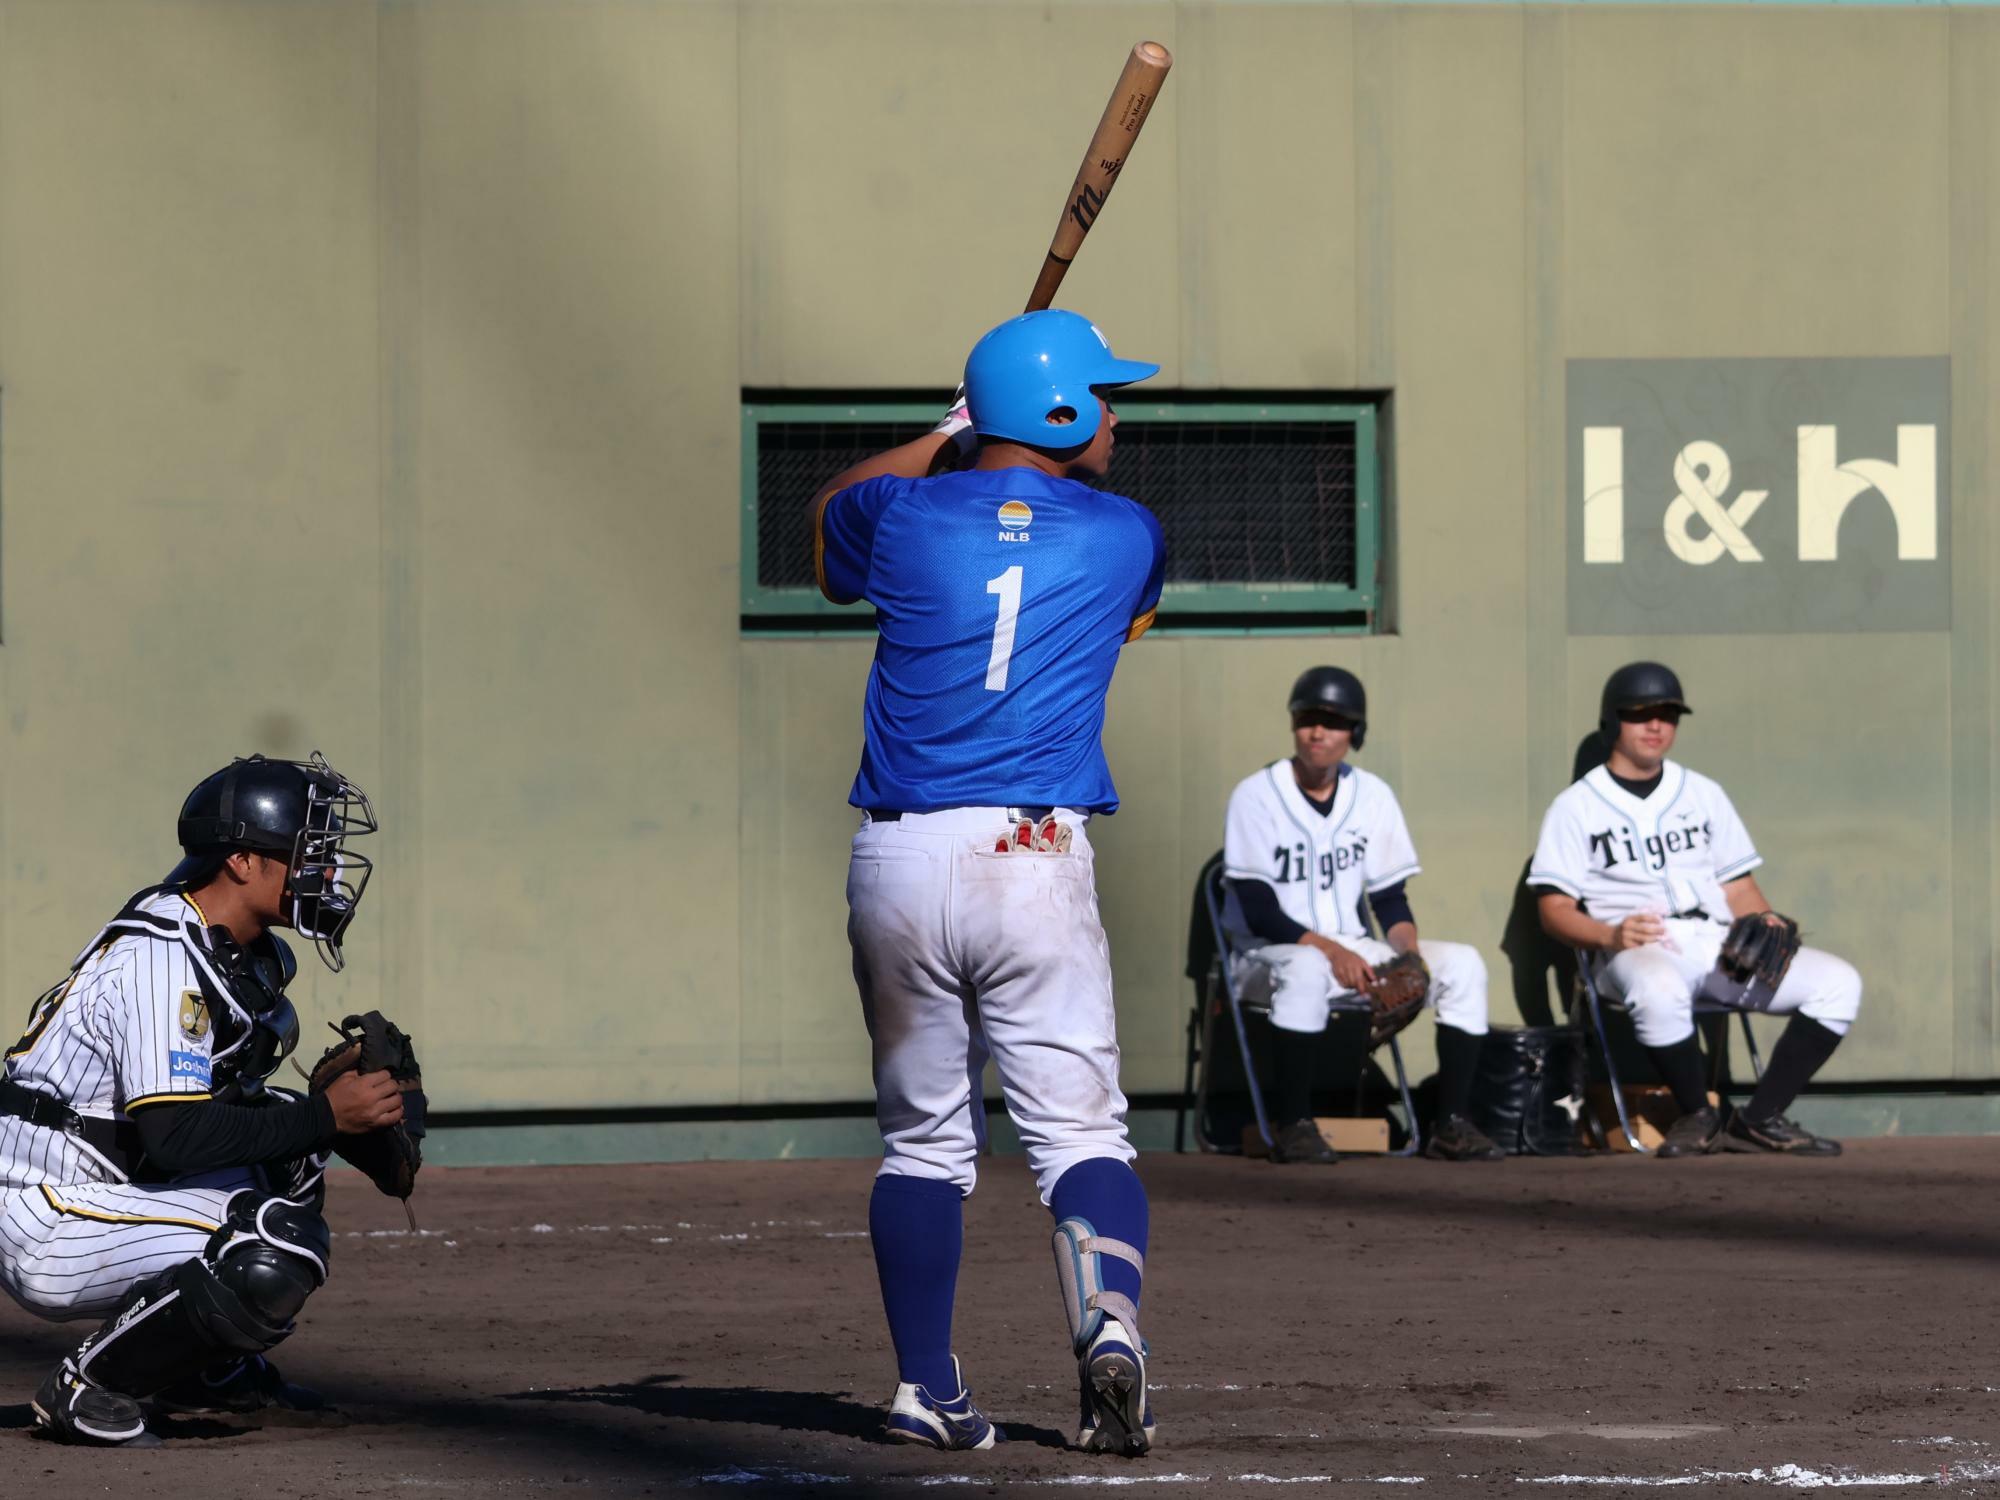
[(407, 340)]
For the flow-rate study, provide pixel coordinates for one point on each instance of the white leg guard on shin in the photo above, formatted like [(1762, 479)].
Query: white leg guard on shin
[(1078, 1248)]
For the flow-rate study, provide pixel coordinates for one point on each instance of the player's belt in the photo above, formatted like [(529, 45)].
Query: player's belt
[(1014, 814), (105, 1137)]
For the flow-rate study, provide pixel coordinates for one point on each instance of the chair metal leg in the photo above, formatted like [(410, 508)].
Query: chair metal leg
[(1611, 1068), (1201, 1131), (1193, 1056), (1416, 1140), (1249, 1070), (1750, 1042)]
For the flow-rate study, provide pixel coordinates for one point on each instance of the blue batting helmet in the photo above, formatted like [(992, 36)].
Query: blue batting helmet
[(1041, 363)]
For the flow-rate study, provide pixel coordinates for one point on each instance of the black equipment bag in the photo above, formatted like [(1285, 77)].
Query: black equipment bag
[(1528, 1093)]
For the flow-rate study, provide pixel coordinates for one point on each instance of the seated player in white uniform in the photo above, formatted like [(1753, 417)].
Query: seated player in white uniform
[(148, 1176), (1307, 840), (1643, 864)]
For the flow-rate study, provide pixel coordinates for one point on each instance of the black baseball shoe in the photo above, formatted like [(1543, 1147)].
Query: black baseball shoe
[(1777, 1134), (1692, 1134), (1301, 1141), (1458, 1139), (238, 1385), (70, 1410)]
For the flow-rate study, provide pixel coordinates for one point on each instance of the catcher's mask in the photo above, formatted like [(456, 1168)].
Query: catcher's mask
[(301, 810)]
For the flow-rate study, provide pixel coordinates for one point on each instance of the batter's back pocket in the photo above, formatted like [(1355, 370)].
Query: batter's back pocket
[(1528, 1093)]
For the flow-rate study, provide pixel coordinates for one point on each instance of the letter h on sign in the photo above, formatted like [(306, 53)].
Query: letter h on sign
[(1826, 487)]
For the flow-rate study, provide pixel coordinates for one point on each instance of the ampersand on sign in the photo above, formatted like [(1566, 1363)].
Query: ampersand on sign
[(1701, 471)]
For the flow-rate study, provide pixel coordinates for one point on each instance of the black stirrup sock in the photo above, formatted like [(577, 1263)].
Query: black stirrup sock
[(1293, 1054), (1682, 1067), (1802, 1051)]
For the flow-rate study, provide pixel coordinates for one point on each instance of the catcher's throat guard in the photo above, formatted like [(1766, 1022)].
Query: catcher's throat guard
[(327, 878)]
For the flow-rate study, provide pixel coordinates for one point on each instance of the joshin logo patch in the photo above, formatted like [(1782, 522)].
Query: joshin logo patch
[(189, 1065), (1015, 518), (194, 1015)]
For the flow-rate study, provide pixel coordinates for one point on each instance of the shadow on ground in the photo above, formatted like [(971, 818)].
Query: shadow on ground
[(786, 1411)]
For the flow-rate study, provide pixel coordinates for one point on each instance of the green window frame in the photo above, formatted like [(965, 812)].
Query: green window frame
[(1208, 607)]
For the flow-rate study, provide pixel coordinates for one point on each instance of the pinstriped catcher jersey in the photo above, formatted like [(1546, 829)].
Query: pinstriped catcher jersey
[(1320, 866), (132, 1025)]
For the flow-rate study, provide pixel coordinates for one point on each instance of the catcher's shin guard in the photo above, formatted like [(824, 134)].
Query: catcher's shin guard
[(1078, 1248), (237, 1298)]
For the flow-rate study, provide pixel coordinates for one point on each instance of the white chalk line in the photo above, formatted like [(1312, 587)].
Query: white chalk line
[(451, 1238), (1046, 1481), (1784, 1476), (1778, 1476)]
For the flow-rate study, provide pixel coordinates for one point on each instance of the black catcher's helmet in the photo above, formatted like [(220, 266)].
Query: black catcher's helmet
[(1639, 684), (1333, 690), (301, 811)]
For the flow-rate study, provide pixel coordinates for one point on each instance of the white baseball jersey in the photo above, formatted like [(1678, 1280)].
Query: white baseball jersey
[(133, 1025), (1320, 864), (1670, 853)]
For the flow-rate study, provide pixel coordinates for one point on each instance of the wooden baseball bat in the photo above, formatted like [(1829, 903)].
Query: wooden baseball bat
[(1131, 102)]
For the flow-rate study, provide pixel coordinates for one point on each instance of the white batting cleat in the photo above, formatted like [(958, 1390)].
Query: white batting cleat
[(916, 1416), (1117, 1416)]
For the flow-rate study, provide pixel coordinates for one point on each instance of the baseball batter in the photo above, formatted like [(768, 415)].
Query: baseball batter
[(151, 1179), (1003, 594), (1643, 864), (1312, 844)]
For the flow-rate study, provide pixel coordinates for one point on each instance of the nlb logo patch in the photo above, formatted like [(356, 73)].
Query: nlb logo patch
[(1015, 518)]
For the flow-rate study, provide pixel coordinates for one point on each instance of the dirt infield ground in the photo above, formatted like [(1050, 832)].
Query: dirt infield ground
[(1595, 1326)]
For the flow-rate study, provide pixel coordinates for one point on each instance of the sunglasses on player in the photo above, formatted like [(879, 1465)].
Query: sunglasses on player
[(1666, 713)]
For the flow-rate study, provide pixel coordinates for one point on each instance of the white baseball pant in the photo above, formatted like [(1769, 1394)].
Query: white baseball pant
[(1298, 984), (1659, 982), (961, 953)]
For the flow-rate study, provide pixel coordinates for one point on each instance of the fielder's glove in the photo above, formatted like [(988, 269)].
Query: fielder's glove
[(390, 1155), (1401, 987), (1760, 946)]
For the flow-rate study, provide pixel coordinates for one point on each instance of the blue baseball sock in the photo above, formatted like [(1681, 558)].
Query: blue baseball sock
[(918, 1226), (1109, 1196)]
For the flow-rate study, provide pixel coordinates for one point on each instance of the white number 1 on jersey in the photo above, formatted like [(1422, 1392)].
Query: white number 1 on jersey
[(1008, 587)]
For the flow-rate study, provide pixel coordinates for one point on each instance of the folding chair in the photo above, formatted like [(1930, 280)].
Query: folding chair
[(1596, 1004), (1216, 992)]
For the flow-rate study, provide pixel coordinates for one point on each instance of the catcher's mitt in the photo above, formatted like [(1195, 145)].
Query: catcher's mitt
[(1758, 951), (390, 1156), (1401, 987)]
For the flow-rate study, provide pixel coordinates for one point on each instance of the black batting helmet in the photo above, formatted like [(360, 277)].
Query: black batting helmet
[(301, 811), (1639, 684), (1333, 690)]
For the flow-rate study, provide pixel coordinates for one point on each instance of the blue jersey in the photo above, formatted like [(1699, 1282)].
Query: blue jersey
[(1002, 597)]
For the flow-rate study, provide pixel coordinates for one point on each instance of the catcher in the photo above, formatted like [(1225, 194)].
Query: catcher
[(1646, 865), (151, 1176), (1309, 839)]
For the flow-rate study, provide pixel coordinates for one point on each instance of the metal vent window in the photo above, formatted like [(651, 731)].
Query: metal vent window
[(1271, 510)]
